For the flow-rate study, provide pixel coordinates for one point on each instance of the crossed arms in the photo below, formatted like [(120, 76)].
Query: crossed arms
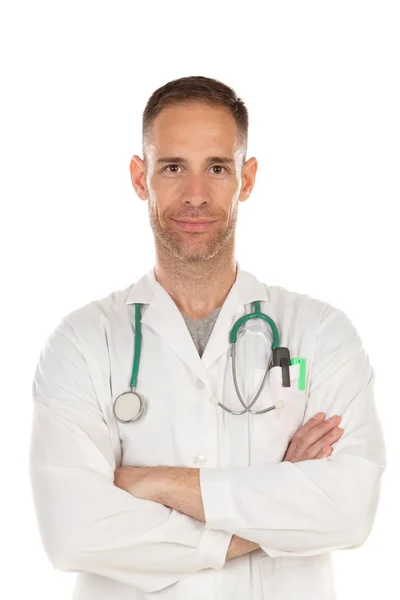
[(177, 488), (288, 509)]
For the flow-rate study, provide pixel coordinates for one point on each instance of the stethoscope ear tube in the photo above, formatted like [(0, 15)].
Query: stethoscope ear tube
[(279, 357)]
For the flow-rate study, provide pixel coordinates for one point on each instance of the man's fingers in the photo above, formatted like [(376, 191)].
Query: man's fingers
[(312, 437), (318, 418), (315, 429), (324, 452)]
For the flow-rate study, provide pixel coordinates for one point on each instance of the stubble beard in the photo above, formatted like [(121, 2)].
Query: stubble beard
[(181, 244)]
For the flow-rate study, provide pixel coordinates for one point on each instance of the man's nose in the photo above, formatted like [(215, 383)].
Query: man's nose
[(195, 190)]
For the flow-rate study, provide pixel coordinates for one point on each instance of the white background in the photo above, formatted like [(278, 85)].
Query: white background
[(321, 83)]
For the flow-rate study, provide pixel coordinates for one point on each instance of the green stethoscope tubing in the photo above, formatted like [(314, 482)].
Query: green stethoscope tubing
[(137, 348), (256, 314)]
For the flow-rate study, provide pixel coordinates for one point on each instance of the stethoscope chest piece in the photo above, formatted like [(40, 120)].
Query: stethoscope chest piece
[(128, 407)]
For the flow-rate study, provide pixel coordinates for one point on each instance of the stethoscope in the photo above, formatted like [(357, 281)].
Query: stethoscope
[(129, 406)]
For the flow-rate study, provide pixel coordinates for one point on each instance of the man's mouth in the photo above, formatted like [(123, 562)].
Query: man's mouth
[(194, 225)]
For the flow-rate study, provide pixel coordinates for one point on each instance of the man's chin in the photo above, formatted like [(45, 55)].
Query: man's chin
[(190, 248)]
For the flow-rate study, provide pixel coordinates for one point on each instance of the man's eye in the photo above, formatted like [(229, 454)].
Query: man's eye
[(168, 166), (218, 167), (178, 166)]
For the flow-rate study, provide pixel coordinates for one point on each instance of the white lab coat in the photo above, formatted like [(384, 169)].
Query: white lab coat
[(126, 548)]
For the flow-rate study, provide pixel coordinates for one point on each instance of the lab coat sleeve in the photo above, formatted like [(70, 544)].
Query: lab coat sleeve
[(312, 506), (86, 523)]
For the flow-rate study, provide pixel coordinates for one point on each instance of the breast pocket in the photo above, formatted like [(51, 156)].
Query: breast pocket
[(273, 430)]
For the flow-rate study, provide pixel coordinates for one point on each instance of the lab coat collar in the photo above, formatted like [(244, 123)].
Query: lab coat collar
[(163, 316)]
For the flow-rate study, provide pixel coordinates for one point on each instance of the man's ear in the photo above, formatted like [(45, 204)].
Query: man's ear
[(138, 176), (248, 178)]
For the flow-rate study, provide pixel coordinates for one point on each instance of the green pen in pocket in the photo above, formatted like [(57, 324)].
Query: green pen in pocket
[(302, 372)]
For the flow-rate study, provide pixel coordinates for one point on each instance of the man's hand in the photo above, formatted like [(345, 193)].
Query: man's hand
[(314, 439), (308, 442)]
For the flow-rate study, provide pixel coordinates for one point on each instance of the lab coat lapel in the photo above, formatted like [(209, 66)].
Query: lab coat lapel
[(163, 316)]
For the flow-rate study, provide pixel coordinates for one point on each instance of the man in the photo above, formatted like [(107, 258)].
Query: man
[(191, 501)]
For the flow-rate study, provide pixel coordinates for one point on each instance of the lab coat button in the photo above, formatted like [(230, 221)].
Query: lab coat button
[(199, 460), (213, 400), (199, 384)]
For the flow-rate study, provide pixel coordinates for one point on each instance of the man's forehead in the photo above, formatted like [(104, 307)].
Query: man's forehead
[(203, 122)]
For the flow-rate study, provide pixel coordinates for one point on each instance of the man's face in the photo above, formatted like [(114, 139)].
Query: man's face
[(193, 171)]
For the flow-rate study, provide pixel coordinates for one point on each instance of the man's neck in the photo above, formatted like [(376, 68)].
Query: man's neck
[(197, 288)]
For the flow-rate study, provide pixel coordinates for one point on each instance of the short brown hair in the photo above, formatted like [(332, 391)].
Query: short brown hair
[(192, 89)]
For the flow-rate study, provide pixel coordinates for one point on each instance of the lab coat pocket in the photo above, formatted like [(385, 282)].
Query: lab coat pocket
[(273, 430)]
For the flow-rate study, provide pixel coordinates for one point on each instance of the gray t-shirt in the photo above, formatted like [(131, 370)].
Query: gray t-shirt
[(200, 329)]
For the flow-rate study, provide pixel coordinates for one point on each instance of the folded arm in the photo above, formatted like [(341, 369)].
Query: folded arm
[(85, 521), (312, 506), (175, 487)]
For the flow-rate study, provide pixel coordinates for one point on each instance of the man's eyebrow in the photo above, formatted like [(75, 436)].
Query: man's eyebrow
[(179, 159)]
